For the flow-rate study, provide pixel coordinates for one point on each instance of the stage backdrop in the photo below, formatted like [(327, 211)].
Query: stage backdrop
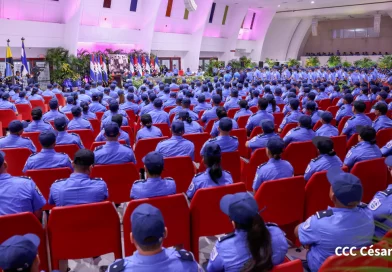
[(118, 64)]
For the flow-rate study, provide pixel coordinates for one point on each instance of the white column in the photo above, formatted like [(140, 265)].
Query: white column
[(299, 38), (150, 11), (72, 20)]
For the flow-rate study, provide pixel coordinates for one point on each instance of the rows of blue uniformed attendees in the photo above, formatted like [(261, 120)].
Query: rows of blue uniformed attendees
[(21, 194)]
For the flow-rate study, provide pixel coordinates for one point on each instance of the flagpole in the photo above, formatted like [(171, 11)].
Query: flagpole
[(12, 68)]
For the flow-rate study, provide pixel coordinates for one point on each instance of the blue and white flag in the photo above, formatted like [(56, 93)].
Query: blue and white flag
[(148, 68), (25, 67), (157, 69), (93, 73)]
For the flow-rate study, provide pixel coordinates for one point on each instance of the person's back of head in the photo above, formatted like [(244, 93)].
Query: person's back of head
[(212, 159), (112, 131), (83, 162), (117, 118), (153, 163), (60, 123), (47, 139), (275, 147), (324, 145), (225, 126), (53, 104), (146, 120), (221, 112), (113, 106), (294, 103), (36, 114), (305, 121), (262, 103), (243, 104), (84, 106), (359, 106), (366, 134), (76, 111)]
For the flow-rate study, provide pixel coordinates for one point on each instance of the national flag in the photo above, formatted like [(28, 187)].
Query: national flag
[(148, 68), (23, 58), (152, 65), (99, 68), (93, 72), (144, 65), (9, 62), (131, 67), (139, 67), (104, 68), (157, 69)]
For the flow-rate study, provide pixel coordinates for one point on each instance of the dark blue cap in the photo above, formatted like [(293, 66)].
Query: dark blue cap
[(111, 129), (147, 222), (225, 124), (130, 96), (19, 252), (240, 207), (216, 99), (106, 90), (278, 91), (346, 187), (324, 144), (120, 92), (294, 103), (15, 126), (326, 116), (275, 145), (70, 99), (173, 95), (256, 93), (183, 114), (113, 105), (201, 98), (186, 101), (267, 125), (154, 162), (95, 95), (212, 150), (47, 138), (383, 94), (305, 121), (311, 105), (388, 161), (158, 103), (234, 91), (76, 110), (152, 96), (349, 98), (112, 86), (22, 94), (177, 127), (53, 104), (49, 86), (5, 96), (60, 122)]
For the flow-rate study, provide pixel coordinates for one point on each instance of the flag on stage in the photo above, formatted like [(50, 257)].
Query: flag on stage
[(148, 68), (139, 67), (131, 67), (93, 72), (99, 68), (104, 68), (23, 58), (9, 62), (144, 65), (157, 69)]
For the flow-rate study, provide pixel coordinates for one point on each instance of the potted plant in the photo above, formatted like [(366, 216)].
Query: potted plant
[(334, 61), (293, 62), (312, 62)]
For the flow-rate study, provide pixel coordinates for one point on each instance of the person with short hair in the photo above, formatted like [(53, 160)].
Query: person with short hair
[(53, 112), (326, 128), (37, 124), (261, 114), (157, 114), (359, 118), (202, 104), (293, 116), (22, 99), (302, 133), (68, 107), (5, 103), (78, 122), (221, 113), (211, 113), (113, 110), (123, 135), (147, 130), (346, 109), (14, 139), (130, 104), (313, 112), (261, 140), (243, 111), (95, 106), (382, 121), (63, 137)]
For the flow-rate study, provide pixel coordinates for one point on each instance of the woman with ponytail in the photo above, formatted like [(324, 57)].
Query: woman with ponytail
[(189, 125), (147, 130), (86, 113), (243, 111), (253, 246), (327, 157), (272, 108), (214, 175)]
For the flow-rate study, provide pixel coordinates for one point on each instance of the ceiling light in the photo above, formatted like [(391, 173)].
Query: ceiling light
[(312, 2), (278, 6)]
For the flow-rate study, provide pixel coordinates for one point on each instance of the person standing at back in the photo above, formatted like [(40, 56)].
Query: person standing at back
[(37, 124), (14, 139)]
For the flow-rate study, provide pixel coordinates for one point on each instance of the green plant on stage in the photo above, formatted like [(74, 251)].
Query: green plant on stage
[(334, 61), (346, 64), (364, 63), (312, 62), (385, 62), (235, 64), (293, 62), (270, 62), (214, 63)]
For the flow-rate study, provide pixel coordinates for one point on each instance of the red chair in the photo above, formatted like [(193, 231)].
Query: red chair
[(371, 115), (231, 162), (34, 137), (129, 130), (287, 128), (209, 125), (335, 101), (278, 118), (200, 114), (131, 116), (287, 210), (242, 120), (206, 217), (145, 146), (342, 123), (249, 167), (299, 155), (1, 129), (99, 115), (333, 110), (86, 136), (339, 143), (176, 215), (164, 129), (181, 169), (7, 116), (242, 138), (47, 99), (119, 178), (168, 108), (373, 175), (324, 104), (16, 159), (232, 112), (70, 116), (291, 266), (69, 149), (171, 117), (383, 136), (352, 141), (281, 107), (21, 224), (368, 106), (61, 99), (39, 104), (94, 145), (254, 109), (83, 231), (319, 124), (96, 125), (25, 111), (198, 140), (44, 178), (256, 131)]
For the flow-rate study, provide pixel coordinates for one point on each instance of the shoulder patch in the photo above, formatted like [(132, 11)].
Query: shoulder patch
[(260, 135), (75, 134), (169, 178), (362, 205), (185, 255), (227, 236), (140, 181), (387, 192), (325, 213), (297, 128), (59, 180), (269, 224), (96, 179), (261, 165), (316, 159), (212, 139), (117, 266), (164, 140), (352, 118), (33, 154), (98, 148)]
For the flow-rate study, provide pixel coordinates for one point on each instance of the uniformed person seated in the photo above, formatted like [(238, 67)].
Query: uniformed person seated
[(359, 119), (214, 175), (78, 122), (113, 152), (18, 194), (5, 103), (86, 113), (226, 142), (346, 109), (79, 188), (63, 137), (190, 126), (327, 157), (347, 224), (176, 145), (221, 113), (147, 130), (260, 141), (387, 149), (366, 149), (70, 104), (211, 113), (48, 158), (261, 114), (14, 139), (382, 121), (154, 185), (275, 168), (113, 110), (148, 234), (95, 106), (293, 116), (311, 110), (254, 245), (326, 128), (20, 253), (37, 124), (380, 206), (53, 112), (117, 118), (157, 114), (302, 133)]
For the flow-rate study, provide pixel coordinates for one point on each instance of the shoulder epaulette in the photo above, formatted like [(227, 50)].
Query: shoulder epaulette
[(316, 159), (355, 146), (75, 134), (140, 180), (169, 178), (297, 128), (164, 140), (387, 192), (97, 179), (261, 165), (362, 205), (375, 120), (25, 177), (325, 213), (342, 107), (269, 224), (234, 137), (98, 148), (46, 122), (227, 236), (212, 139), (127, 145), (253, 114), (117, 266), (352, 118), (59, 180), (27, 138), (33, 154), (185, 255), (288, 114), (227, 172), (260, 135), (198, 174)]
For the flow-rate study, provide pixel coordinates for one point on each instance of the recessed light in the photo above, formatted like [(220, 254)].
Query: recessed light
[(278, 6), (312, 2)]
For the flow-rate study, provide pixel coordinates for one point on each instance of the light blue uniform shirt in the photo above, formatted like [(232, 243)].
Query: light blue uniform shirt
[(382, 122), (108, 113), (114, 153), (38, 125), (65, 138), (192, 115), (215, 131), (261, 140), (159, 116), (88, 115), (19, 194), (47, 159), (95, 106), (291, 117), (153, 187), (36, 97), (176, 146), (335, 227), (79, 123), (203, 180), (67, 108), (387, 149), (15, 141), (255, 119), (123, 136), (315, 116), (345, 110), (22, 101), (130, 106), (322, 163), (359, 119), (201, 106), (151, 132), (361, 152), (242, 112), (209, 114), (271, 170), (226, 143), (381, 208), (77, 189), (327, 130), (231, 252), (232, 103), (193, 127), (53, 114), (6, 105), (298, 134), (175, 110)]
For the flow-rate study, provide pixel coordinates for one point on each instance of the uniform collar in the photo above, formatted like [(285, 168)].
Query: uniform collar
[(176, 137), (110, 143), (273, 160), (79, 175), (5, 176), (48, 150), (334, 209), (154, 179)]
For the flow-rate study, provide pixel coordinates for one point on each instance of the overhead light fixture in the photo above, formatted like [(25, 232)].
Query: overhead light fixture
[(278, 6), (312, 2)]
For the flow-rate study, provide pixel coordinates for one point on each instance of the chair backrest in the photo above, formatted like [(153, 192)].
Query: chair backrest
[(25, 110), (254, 109), (70, 116), (242, 138), (21, 224), (339, 143), (131, 116), (39, 104), (231, 162), (130, 132), (292, 266), (258, 157), (94, 145), (181, 169), (299, 155), (145, 146), (287, 128), (34, 137), (176, 215), (317, 194), (198, 139), (324, 104), (232, 112), (209, 125), (371, 115), (278, 117), (335, 101), (171, 117), (206, 217), (200, 114), (352, 141), (164, 127), (368, 106), (47, 99), (86, 136), (242, 120), (99, 115), (6, 117), (16, 159), (256, 131), (44, 178), (373, 175), (333, 110), (119, 178), (96, 125), (61, 99), (69, 149), (83, 231), (383, 136), (1, 129), (169, 108), (283, 200), (342, 123)]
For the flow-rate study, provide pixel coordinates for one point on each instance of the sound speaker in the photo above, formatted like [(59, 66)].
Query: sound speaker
[(261, 64), (190, 5)]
